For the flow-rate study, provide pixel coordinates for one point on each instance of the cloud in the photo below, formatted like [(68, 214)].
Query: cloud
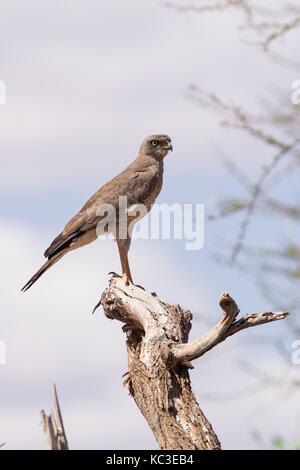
[(91, 97)]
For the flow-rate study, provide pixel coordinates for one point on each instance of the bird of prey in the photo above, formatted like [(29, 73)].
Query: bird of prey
[(140, 182)]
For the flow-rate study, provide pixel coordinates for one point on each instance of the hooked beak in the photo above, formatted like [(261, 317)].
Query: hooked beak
[(168, 146)]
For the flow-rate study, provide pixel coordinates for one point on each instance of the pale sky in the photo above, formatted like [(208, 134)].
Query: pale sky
[(86, 82)]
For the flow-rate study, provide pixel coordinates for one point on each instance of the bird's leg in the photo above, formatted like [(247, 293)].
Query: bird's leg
[(126, 275)]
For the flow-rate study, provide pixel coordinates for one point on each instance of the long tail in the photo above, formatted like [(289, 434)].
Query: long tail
[(43, 269)]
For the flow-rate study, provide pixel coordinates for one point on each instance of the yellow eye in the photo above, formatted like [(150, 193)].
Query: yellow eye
[(154, 142)]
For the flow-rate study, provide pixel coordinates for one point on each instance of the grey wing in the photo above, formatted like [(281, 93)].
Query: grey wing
[(138, 188)]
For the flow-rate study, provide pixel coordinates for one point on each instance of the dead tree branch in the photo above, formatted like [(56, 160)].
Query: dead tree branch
[(56, 438), (159, 357), (226, 327)]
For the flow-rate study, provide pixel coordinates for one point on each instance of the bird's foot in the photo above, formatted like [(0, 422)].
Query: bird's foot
[(127, 279)]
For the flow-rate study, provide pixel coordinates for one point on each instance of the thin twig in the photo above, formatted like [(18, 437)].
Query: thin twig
[(280, 32), (256, 193), (205, 8)]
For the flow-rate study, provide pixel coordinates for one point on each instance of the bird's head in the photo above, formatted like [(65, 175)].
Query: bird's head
[(157, 146)]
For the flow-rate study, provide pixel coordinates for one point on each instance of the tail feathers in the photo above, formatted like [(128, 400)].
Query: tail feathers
[(61, 243), (42, 270), (56, 244)]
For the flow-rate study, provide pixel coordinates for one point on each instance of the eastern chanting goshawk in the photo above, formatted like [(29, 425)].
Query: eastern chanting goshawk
[(140, 183)]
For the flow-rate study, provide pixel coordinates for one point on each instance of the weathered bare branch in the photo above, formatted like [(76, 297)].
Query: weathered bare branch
[(56, 438), (51, 442), (225, 328)]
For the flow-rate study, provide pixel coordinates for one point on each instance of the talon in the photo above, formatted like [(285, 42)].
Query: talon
[(114, 274), (126, 380), (95, 308), (141, 287)]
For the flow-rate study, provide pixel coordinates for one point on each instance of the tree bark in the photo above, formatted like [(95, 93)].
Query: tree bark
[(159, 358)]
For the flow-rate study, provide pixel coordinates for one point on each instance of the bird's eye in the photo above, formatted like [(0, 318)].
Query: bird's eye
[(154, 142)]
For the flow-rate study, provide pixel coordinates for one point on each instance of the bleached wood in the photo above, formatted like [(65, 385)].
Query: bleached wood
[(56, 438), (159, 357), (225, 328)]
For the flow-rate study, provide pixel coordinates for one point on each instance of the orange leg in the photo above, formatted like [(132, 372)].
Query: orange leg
[(126, 275)]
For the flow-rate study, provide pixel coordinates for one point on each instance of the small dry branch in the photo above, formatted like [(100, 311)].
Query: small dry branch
[(56, 438)]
